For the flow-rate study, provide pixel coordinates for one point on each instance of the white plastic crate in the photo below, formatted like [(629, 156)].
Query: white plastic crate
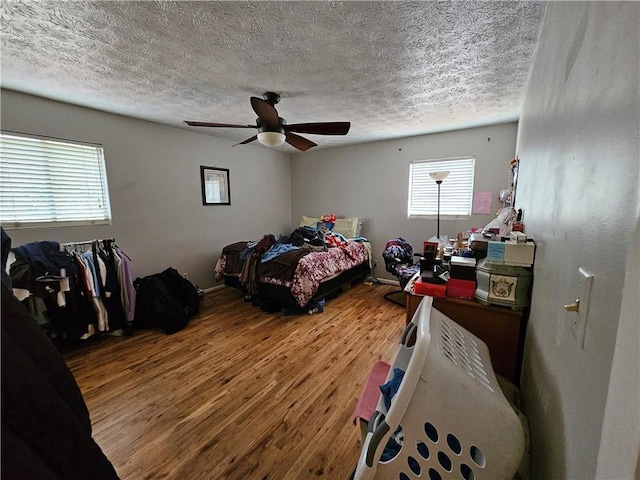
[(449, 414)]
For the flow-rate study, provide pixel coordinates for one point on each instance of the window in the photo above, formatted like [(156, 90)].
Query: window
[(48, 182), (456, 190)]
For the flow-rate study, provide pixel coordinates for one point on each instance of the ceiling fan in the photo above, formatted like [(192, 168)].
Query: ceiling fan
[(274, 131)]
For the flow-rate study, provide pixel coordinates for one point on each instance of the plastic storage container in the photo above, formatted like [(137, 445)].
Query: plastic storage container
[(449, 416)]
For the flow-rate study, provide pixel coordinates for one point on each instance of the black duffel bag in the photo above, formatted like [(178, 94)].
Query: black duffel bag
[(165, 300)]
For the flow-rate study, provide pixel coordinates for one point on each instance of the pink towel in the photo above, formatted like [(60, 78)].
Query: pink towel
[(370, 393)]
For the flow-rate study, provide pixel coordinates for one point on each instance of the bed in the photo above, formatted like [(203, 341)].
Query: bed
[(304, 272)]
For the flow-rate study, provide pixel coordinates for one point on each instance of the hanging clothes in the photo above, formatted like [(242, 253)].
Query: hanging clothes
[(41, 270), (75, 289), (92, 276), (111, 296), (127, 290)]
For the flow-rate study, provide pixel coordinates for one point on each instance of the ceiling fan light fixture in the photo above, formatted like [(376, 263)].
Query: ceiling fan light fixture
[(273, 130), (271, 139)]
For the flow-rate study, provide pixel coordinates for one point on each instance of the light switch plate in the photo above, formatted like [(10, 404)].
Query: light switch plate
[(579, 319)]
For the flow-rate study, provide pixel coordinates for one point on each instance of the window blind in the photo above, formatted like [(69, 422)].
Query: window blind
[(51, 182), (456, 190)]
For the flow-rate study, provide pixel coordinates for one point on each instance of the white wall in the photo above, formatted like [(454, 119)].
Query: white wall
[(154, 184), (620, 440), (371, 181), (579, 149)]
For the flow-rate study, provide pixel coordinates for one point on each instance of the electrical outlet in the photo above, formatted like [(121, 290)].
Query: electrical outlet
[(578, 317), (185, 275)]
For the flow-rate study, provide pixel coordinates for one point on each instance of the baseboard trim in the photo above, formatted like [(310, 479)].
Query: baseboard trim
[(213, 289)]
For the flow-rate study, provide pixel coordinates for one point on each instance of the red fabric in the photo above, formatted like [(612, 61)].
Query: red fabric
[(370, 393), (334, 241)]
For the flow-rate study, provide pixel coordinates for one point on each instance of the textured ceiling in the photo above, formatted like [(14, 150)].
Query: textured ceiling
[(392, 69)]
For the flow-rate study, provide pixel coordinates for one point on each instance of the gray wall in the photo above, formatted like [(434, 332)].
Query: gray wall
[(371, 181), (579, 148), (154, 183)]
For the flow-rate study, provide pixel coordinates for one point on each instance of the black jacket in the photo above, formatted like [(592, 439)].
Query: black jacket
[(46, 429)]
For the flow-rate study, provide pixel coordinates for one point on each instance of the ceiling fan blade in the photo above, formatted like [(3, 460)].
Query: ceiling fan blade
[(265, 111), (322, 128), (299, 142), (248, 140), (209, 124)]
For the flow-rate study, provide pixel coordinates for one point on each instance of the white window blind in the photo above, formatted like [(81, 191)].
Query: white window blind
[(47, 182), (456, 190)]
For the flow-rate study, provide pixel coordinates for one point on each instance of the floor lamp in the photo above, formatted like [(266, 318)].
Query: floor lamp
[(439, 177)]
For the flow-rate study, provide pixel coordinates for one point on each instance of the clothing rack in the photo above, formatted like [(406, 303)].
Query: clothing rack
[(88, 242), (112, 241), (77, 289)]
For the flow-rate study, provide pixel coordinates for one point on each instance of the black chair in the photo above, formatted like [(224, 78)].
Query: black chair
[(399, 261)]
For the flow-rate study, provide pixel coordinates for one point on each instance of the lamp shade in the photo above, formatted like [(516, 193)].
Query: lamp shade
[(439, 176), (271, 139)]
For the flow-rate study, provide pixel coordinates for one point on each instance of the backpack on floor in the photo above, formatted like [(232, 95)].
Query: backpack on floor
[(183, 290), (165, 300)]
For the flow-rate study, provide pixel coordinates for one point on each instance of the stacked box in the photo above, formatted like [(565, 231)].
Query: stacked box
[(518, 237), (438, 290), (511, 253), (457, 288), (462, 278), (463, 268)]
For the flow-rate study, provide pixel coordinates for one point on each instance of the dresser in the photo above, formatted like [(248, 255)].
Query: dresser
[(501, 328)]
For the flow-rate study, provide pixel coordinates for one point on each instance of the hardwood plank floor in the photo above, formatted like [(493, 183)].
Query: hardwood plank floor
[(239, 393)]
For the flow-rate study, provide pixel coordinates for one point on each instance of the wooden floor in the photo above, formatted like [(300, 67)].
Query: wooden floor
[(239, 393)]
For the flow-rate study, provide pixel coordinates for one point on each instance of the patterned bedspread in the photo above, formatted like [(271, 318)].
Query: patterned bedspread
[(317, 266), (309, 270)]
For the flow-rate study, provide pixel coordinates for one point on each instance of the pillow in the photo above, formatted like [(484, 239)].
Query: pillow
[(309, 221), (349, 227)]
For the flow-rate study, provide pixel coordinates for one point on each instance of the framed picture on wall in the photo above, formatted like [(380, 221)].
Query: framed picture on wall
[(215, 186)]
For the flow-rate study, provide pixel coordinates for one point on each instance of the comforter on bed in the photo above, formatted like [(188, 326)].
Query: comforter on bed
[(315, 267), (230, 262), (302, 270)]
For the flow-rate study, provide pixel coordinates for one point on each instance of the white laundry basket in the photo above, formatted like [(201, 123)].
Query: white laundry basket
[(449, 414)]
